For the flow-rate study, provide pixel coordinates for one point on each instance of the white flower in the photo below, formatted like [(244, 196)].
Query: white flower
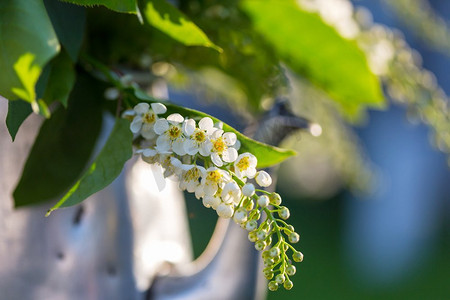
[(248, 190), (190, 179), (215, 178), (170, 134), (145, 118), (221, 147), (211, 201), (245, 165), (263, 201), (263, 179), (198, 141), (231, 193), (225, 210)]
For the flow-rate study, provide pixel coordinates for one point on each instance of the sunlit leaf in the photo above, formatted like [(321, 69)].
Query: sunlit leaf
[(124, 6), (62, 147), (106, 167), (18, 111), (165, 17), (27, 43), (315, 50), (267, 155)]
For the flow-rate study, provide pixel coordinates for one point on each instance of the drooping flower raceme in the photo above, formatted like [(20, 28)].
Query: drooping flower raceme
[(205, 160)]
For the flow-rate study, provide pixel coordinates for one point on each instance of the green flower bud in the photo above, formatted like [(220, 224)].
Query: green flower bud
[(288, 285), (284, 213), (290, 270), (290, 228), (275, 199), (260, 245), (273, 286), (261, 235), (268, 240), (280, 278), (269, 276), (297, 256), (268, 272), (248, 205), (275, 251), (251, 225), (265, 254), (268, 262), (294, 237), (252, 237)]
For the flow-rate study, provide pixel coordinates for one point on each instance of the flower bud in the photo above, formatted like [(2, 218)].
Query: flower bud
[(211, 201), (290, 270), (224, 210), (252, 237), (268, 240), (294, 237), (240, 216), (288, 285), (260, 245), (255, 215), (251, 225), (261, 235), (275, 199), (268, 261), (266, 254), (273, 286), (297, 256), (249, 204), (284, 213), (275, 251), (280, 278), (248, 190), (268, 272), (263, 179), (263, 201)]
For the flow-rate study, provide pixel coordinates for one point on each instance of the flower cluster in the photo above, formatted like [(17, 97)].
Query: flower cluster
[(205, 161)]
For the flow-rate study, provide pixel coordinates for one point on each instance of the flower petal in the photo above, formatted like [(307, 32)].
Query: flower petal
[(191, 147), (230, 155), (147, 131), (163, 143), (141, 108), (207, 124), (136, 125), (159, 108), (205, 148), (230, 138), (178, 146), (161, 126), (189, 127), (215, 158), (175, 118), (158, 175)]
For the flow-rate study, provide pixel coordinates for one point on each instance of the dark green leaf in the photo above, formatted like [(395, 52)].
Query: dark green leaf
[(62, 147), (164, 16), (61, 79), (124, 6), (18, 111), (314, 49), (267, 155), (68, 22), (27, 42), (106, 167)]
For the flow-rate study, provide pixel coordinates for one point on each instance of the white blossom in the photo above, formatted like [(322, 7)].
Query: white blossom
[(248, 190), (198, 138), (190, 179), (225, 210), (145, 118), (170, 134), (245, 165), (221, 147), (215, 178), (231, 193)]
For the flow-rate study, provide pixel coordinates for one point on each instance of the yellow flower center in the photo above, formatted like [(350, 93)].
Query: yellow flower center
[(219, 145), (199, 136), (149, 117), (214, 176), (174, 132), (243, 164), (192, 175)]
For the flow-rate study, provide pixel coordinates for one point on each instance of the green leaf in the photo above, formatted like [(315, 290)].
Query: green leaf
[(61, 79), (18, 111), (165, 17), (267, 155), (106, 167), (28, 42), (62, 147), (315, 50), (124, 6), (68, 22)]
